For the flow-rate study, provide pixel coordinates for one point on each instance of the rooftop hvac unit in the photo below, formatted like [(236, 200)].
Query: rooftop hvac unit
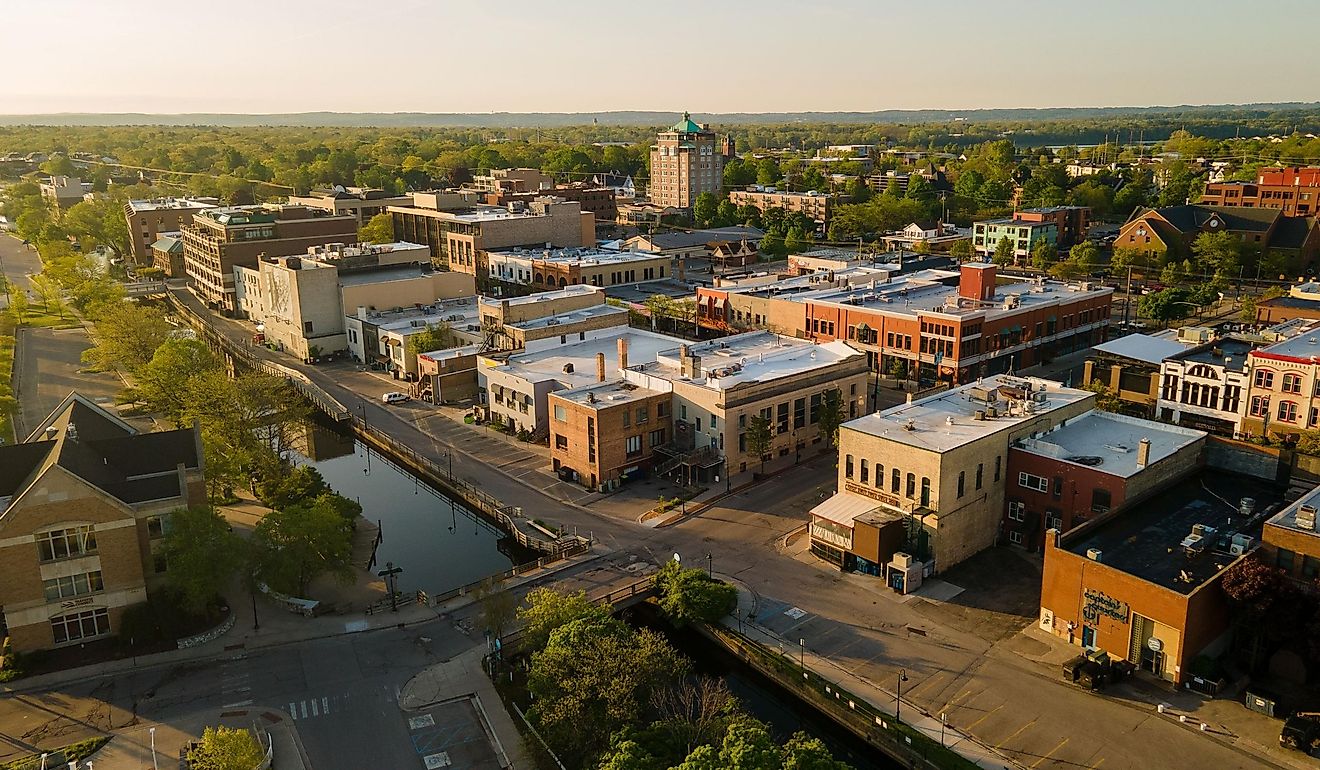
[(1306, 518), (1095, 554)]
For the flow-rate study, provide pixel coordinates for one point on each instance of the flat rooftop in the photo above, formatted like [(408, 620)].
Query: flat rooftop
[(458, 313), (758, 356), (164, 204), (1287, 518), (541, 296), (947, 420), (579, 256), (383, 274), (1147, 540), (637, 293), (1147, 348), (574, 316), (549, 364), (1305, 345), (1108, 442), (1234, 350), (606, 394)]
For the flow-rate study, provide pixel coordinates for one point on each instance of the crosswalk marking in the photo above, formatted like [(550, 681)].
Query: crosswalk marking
[(304, 709), (315, 713), (325, 705)]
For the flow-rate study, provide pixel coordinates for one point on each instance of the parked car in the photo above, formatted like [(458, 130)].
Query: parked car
[(395, 397), (1300, 731)]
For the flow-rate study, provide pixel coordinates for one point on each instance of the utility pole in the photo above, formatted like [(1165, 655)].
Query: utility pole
[(390, 573), (1127, 303)]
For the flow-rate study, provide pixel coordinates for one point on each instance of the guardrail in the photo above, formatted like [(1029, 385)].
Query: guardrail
[(581, 547)]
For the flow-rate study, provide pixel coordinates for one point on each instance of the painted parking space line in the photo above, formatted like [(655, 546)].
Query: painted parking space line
[(1047, 754), (1015, 734), (984, 717)]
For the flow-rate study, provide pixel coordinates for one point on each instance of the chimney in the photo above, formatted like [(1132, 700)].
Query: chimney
[(976, 280), (1143, 453), (600, 367), (682, 268), (623, 352)]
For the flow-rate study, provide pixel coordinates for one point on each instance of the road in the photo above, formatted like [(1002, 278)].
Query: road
[(17, 261)]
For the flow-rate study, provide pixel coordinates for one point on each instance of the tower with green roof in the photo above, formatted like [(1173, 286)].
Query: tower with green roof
[(686, 161)]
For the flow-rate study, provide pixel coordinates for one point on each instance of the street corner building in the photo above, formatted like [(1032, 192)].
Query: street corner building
[(84, 503)]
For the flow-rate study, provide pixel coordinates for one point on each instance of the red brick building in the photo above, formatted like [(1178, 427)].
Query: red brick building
[(1294, 191)]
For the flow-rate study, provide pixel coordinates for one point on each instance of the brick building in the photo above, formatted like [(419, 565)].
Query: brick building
[(1172, 230), (1294, 191), (1142, 585), (598, 201), (1284, 394), (84, 502), (816, 206), (1290, 540), (938, 464), (686, 161), (218, 240), (604, 433), (149, 219), (1088, 467), (550, 268)]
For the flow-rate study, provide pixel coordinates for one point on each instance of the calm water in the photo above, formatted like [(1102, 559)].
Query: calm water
[(440, 544)]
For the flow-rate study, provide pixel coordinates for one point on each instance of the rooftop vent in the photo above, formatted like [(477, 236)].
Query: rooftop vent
[(1306, 518), (910, 425), (1095, 554), (568, 368)]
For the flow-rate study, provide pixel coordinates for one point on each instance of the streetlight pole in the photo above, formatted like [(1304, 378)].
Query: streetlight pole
[(390, 573), (802, 654), (710, 570), (256, 624), (898, 702), (154, 766)]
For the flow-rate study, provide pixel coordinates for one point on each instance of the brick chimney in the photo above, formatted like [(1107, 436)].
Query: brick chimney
[(977, 281), (1143, 453), (623, 352), (600, 367)]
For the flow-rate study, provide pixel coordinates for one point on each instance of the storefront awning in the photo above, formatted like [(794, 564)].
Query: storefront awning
[(844, 508)]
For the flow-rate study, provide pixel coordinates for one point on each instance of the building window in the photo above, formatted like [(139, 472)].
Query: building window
[(1032, 481), (1015, 538), (911, 486), (63, 543), (643, 415), (1288, 411), (1292, 383), (866, 476), (925, 491), (158, 526), (980, 471), (1264, 378), (657, 437), (307, 327), (1260, 406), (879, 476), (1017, 511), (80, 625), (1100, 500), (660, 409), (781, 417), (561, 442), (561, 414), (848, 466), (633, 447), (1284, 560), (896, 479), (998, 461), (962, 483), (73, 585), (627, 419), (799, 413), (1058, 487)]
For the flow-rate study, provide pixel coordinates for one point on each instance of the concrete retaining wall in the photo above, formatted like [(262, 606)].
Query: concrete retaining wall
[(206, 636)]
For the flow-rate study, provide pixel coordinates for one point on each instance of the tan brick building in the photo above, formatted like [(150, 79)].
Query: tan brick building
[(148, 219), (817, 206), (686, 161), (84, 502), (606, 433)]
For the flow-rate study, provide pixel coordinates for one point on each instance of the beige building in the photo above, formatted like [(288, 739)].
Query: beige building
[(301, 302), (548, 318), (64, 191), (513, 180), (383, 339), (1284, 381), (218, 240), (817, 206), (148, 220), (686, 161), (360, 202), (550, 268), (460, 235), (84, 502), (938, 466)]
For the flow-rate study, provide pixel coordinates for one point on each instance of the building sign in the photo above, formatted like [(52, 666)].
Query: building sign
[(76, 603), (1097, 603), (874, 494)]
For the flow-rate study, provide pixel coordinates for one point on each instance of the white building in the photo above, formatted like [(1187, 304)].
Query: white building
[(1206, 387)]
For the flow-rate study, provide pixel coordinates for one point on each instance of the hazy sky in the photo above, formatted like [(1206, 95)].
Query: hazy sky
[(588, 55)]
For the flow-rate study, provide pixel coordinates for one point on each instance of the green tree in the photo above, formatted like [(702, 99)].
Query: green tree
[(962, 250), (162, 384), (1004, 252), (293, 486), (705, 209), (1165, 306), (759, 438), (18, 305), (1043, 254), (297, 544), (99, 222), (806, 753), (796, 242), (544, 610), (1126, 256), (726, 214), (378, 229), (831, 417), (436, 336), (1221, 252), (498, 606), (226, 748), (126, 336), (773, 245), (767, 172), (48, 289), (1086, 255), (691, 596), (201, 554), (1105, 398)]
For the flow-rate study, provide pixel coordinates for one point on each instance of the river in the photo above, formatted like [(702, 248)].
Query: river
[(439, 543)]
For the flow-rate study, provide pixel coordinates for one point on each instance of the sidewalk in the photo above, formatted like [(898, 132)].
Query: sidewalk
[(132, 749), (880, 698)]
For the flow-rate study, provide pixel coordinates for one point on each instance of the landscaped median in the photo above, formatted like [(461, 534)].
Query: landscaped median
[(73, 753)]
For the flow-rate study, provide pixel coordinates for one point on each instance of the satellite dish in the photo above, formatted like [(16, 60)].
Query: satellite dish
[(676, 557)]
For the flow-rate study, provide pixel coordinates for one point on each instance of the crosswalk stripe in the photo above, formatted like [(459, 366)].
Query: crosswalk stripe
[(325, 706), (315, 713), (293, 710), (304, 709)]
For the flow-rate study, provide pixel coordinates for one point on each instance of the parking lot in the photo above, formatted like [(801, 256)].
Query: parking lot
[(454, 734)]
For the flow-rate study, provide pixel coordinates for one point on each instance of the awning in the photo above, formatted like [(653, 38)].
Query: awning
[(719, 302), (843, 508)]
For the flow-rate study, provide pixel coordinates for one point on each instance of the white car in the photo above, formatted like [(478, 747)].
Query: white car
[(395, 397)]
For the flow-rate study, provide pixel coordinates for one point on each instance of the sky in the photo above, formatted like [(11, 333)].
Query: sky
[(262, 56)]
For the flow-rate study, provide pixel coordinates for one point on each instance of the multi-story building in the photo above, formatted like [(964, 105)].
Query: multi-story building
[(881, 182), (1291, 542), (301, 302), (220, 239), (1088, 467), (1172, 230), (64, 191), (382, 338), (1059, 226), (1301, 302), (149, 219), (1129, 366), (937, 469), (692, 243), (686, 161), (550, 268), (606, 432), (513, 180), (167, 254), (84, 502), (1284, 395), (1142, 585), (932, 323), (548, 318), (361, 202), (598, 201), (459, 235), (1207, 387), (1293, 191), (816, 206)]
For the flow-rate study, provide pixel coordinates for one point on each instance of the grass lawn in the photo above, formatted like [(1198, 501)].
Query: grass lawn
[(7, 341), (74, 752)]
